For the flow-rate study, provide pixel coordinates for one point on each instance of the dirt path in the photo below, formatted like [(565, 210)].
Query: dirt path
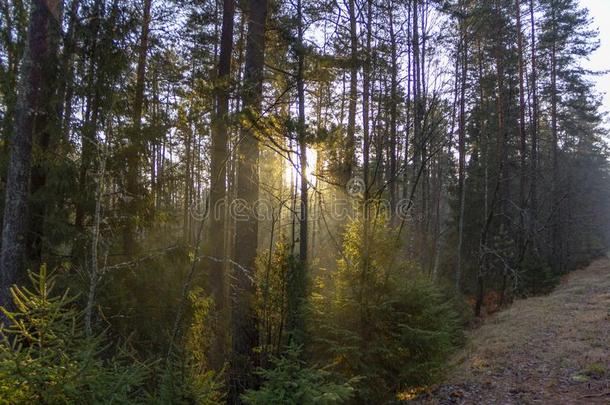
[(544, 350)]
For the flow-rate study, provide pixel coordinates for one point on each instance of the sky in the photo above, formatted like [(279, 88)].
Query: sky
[(600, 60)]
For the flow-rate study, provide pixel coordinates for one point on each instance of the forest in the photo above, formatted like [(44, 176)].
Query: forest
[(284, 201)]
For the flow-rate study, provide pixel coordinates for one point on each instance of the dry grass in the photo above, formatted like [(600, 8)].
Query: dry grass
[(550, 350)]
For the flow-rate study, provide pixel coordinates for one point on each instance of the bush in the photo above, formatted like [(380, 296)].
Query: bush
[(46, 357), (290, 382), (384, 321), (184, 378), (536, 277), (182, 382)]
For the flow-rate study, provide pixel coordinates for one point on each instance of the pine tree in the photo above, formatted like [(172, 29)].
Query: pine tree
[(33, 113)]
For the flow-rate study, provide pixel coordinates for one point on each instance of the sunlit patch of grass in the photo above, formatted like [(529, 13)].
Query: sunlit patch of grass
[(479, 363), (410, 394)]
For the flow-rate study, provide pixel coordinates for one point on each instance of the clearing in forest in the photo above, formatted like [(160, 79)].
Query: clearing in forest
[(553, 349)]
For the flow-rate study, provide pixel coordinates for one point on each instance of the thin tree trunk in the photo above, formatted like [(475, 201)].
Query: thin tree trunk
[(417, 115), (534, 124), (96, 72), (462, 155), (409, 104), (522, 136), (556, 206), (94, 273), (66, 90), (366, 90), (298, 278), (188, 179), (135, 149), (350, 147), (393, 117)]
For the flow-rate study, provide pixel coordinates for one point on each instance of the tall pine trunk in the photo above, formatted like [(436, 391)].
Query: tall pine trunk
[(534, 124), (218, 179), (297, 279), (393, 118), (32, 107), (557, 252), (46, 136), (350, 147), (522, 137), (244, 326), (462, 154), (366, 94), (136, 145), (417, 110)]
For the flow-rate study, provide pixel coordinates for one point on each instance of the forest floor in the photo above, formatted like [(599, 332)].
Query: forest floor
[(552, 349)]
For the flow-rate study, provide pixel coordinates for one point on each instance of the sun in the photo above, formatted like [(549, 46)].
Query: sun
[(291, 168)]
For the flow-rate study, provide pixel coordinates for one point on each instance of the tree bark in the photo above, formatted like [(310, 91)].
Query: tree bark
[(47, 129), (462, 154), (393, 116), (534, 124), (522, 137), (418, 158), (14, 45), (135, 148), (32, 107), (95, 75), (350, 147), (557, 252), (297, 289), (218, 179), (66, 86), (245, 335), (366, 215)]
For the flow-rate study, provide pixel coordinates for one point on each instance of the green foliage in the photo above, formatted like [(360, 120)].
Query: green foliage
[(536, 276), (185, 378), (290, 382), (183, 381), (46, 357), (271, 299), (384, 322), (199, 336), (136, 295)]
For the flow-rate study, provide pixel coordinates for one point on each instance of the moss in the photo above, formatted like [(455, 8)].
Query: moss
[(595, 370)]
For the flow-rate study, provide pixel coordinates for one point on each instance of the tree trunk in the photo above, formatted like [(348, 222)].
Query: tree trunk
[(555, 206), (46, 135), (522, 137), (417, 110), (366, 90), (534, 157), (297, 290), (135, 148), (218, 179), (188, 180), (245, 335), (405, 185), (31, 108), (95, 75), (66, 89), (350, 147), (393, 117), (10, 74), (462, 155)]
